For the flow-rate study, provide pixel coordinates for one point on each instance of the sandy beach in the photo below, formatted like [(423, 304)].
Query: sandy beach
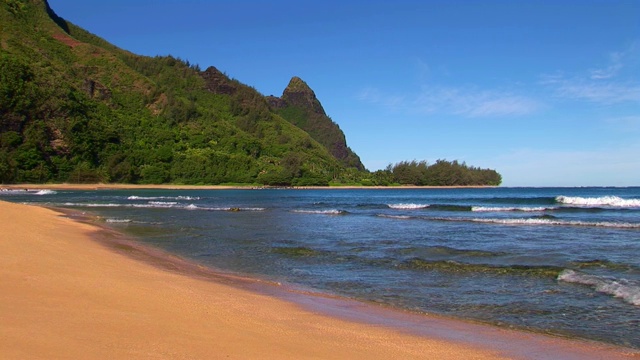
[(66, 294), (66, 186)]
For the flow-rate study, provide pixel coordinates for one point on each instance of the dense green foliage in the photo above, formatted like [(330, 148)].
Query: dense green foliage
[(74, 108), (300, 106), (442, 173)]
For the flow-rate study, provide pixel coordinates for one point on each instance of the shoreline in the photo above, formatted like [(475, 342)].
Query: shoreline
[(317, 326), (66, 186)]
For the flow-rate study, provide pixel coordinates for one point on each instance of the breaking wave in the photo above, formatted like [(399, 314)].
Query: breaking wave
[(553, 221), (627, 290), (164, 205), (323, 212), (613, 201), (134, 197), (499, 209), (401, 217), (27, 192), (408, 206), (118, 221), (547, 220)]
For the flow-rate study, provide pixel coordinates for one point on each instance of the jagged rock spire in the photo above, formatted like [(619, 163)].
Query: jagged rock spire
[(298, 93)]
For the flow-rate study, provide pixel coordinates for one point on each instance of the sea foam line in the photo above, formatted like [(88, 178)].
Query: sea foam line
[(613, 201), (226, 208), (322, 212), (500, 209), (620, 288), (401, 217), (165, 205), (540, 221), (134, 197), (117, 221), (606, 224), (408, 206), (28, 192)]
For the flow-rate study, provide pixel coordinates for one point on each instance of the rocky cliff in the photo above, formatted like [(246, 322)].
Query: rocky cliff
[(299, 105)]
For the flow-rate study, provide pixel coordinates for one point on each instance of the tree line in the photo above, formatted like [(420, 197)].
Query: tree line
[(95, 113), (440, 173)]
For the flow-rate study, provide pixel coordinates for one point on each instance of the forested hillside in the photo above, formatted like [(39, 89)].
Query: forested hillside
[(300, 106), (74, 108)]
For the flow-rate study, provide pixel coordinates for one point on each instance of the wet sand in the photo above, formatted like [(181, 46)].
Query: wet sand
[(71, 290)]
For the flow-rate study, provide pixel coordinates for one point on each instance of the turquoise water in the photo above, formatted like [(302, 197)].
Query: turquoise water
[(564, 261)]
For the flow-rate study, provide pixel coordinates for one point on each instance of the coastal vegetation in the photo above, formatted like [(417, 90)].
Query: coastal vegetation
[(74, 108), (441, 173)]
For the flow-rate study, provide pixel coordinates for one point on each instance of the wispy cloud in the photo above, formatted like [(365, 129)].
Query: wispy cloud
[(375, 96), (467, 102), (596, 91), (474, 103), (614, 83), (615, 65)]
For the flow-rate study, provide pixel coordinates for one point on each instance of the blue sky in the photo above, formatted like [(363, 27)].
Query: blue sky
[(545, 92)]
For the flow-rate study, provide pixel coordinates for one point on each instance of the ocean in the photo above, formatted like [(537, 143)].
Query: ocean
[(561, 261)]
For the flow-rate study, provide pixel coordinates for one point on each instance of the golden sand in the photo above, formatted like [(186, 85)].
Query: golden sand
[(64, 295), (66, 186)]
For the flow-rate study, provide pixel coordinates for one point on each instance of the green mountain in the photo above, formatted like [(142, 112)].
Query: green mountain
[(300, 106), (74, 108)]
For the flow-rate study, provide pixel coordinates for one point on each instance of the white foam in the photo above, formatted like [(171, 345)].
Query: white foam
[(613, 201), (164, 205), (134, 197), (408, 206), (499, 209), (9, 191), (626, 290), (401, 217), (151, 206), (227, 208), (324, 212), (235, 209), (606, 224), (27, 192), (118, 220), (91, 205)]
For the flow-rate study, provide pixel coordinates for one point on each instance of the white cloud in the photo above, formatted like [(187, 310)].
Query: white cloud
[(611, 70), (467, 102), (472, 103), (375, 96), (615, 83), (595, 91)]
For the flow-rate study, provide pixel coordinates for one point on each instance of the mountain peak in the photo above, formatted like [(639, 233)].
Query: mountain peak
[(300, 106), (297, 84), (298, 93)]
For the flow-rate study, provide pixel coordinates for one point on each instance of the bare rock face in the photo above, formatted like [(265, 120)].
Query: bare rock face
[(96, 90), (314, 120), (298, 93), (217, 82), (276, 102)]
